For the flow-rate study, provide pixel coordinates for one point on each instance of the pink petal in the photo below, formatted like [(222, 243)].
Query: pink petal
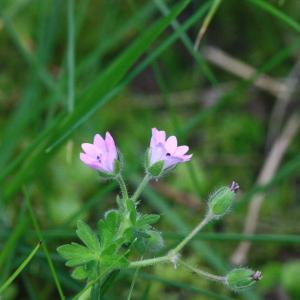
[(92, 163), (90, 149), (157, 153), (171, 144), (99, 142), (171, 161), (161, 136), (181, 150), (187, 157), (153, 137), (86, 159), (111, 147), (154, 132), (157, 137), (108, 162)]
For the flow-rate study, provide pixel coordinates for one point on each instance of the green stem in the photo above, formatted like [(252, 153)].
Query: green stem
[(133, 282), (149, 262), (141, 187), (203, 273), (122, 187), (178, 248), (95, 290), (173, 254)]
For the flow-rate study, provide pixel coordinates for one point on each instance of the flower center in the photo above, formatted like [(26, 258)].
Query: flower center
[(168, 154), (99, 158)]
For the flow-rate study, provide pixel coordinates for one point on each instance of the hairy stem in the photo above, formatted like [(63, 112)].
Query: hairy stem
[(179, 247), (149, 262), (122, 185), (203, 273), (173, 254), (141, 187)]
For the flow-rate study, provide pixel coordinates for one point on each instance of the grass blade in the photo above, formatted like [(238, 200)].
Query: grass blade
[(70, 56), (93, 96), (14, 236), (206, 22), (44, 246), (207, 72), (277, 13), (8, 282), (97, 94)]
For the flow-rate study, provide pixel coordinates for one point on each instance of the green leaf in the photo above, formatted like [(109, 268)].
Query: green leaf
[(76, 254), (92, 269), (132, 210), (114, 261), (108, 228), (140, 245), (80, 273), (87, 235), (129, 234), (147, 219)]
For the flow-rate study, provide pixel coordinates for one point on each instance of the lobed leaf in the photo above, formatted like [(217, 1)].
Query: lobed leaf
[(88, 237), (76, 254), (108, 228), (114, 261), (132, 210), (80, 273), (148, 219)]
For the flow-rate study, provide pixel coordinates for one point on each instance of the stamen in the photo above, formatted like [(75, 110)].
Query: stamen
[(257, 276), (234, 187), (168, 154)]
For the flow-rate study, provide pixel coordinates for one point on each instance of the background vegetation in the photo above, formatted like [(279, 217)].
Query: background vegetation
[(70, 69)]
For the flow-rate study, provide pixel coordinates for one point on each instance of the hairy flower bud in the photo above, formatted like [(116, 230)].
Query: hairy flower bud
[(242, 278), (221, 201), (155, 241)]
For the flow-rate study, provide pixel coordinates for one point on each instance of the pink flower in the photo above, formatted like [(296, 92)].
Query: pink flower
[(166, 150), (100, 155)]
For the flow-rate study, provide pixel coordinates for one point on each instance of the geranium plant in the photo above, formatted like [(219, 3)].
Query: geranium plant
[(125, 231)]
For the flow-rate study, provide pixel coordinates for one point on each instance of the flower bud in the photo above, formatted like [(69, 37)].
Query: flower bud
[(242, 278), (221, 201), (148, 241), (155, 241)]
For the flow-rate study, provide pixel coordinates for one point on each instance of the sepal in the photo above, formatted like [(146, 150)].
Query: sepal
[(242, 278)]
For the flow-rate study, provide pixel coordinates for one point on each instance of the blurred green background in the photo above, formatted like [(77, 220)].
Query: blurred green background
[(70, 69)]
